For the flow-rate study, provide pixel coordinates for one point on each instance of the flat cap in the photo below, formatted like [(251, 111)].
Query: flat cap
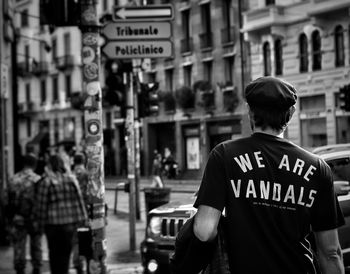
[(270, 92)]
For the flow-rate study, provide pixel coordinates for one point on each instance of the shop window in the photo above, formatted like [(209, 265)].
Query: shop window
[(69, 128), (278, 57), (313, 132), (192, 153), (342, 129), (316, 51), (267, 59), (339, 46), (303, 53)]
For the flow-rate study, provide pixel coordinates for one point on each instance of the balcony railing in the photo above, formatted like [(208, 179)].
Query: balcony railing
[(186, 45), (227, 35), (41, 68), (64, 62), (24, 69), (206, 40)]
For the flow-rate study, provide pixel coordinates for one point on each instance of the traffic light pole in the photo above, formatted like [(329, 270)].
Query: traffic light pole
[(93, 135), (130, 144)]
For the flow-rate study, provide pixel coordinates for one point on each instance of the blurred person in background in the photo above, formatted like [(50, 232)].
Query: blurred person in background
[(20, 203)]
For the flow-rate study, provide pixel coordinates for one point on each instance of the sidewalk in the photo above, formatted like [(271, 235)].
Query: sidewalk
[(120, 260)]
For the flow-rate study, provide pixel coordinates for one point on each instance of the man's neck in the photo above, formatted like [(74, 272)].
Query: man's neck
[(269, 131)]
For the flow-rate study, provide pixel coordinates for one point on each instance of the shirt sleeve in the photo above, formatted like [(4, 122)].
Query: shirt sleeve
[(327, 213), (212, 191)]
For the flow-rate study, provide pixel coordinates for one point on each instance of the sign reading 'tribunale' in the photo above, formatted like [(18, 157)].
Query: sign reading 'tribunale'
[(137, 30), (144, 49)]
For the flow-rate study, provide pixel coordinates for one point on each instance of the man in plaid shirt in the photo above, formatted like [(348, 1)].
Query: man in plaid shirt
[(21, 200), (60, 211)]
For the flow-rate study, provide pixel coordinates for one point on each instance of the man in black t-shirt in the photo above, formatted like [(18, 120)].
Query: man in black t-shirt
[(274, 193)]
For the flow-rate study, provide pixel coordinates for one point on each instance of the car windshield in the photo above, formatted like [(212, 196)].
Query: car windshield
[(340, 168)]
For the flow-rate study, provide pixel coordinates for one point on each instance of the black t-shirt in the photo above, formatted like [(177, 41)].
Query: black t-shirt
[(274, 193)]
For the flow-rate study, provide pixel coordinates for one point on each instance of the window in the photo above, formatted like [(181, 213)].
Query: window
[(104, 5), (206, 35), (316, 51), (303, 53), (187, 76), (27, 57), (278, 57), (24, 18), (69, 128), (27, 88), (339, 46), (169, 79), (68, 86), (227, 33), (56, 130), (186, 41), (229, 70), (267, 59), (208, 71), (67, 48), (55, 89), (269, 2), (29, 126), (43, 91)]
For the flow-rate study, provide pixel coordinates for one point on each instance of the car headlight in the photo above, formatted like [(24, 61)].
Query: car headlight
[(154, 226)]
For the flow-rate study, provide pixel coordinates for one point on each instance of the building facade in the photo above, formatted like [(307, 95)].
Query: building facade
[(200, 86), (308, 44)]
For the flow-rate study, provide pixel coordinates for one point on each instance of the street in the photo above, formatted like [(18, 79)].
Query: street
[(120, 259)]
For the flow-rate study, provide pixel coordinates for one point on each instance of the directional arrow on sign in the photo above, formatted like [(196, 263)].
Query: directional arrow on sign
[(149, 12)]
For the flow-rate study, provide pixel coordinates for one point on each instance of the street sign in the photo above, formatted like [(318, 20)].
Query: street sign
[(138, 49), (148, 12), (137, 30)]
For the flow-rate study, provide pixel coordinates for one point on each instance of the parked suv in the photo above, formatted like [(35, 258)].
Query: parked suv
[(165, 221)]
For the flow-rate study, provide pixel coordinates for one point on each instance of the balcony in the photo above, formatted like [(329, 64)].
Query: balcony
[(41, 68), (64, 62), (206, 40), (228, 35), (26, 107), (24, 69), (272, 19), (325, 8), (186, 45)]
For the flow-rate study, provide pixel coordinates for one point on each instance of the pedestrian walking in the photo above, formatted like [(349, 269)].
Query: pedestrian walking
[(81, 174), (60, 212), (21, 200), (157, 170), (274, 194)]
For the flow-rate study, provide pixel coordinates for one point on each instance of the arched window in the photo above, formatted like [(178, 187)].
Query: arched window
[(303, 54), (316, 51), (267, 59), (339, 46), (278, 57)]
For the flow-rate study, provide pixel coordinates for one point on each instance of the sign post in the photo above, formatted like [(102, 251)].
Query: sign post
[(138, 32)]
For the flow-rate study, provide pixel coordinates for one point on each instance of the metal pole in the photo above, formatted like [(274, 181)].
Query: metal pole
[(130, 144), (93, 134)]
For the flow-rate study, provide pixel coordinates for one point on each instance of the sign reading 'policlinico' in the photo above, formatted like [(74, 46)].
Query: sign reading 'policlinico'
[(131, 49)]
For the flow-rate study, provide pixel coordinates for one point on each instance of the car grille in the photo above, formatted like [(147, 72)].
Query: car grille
[(171, 226)]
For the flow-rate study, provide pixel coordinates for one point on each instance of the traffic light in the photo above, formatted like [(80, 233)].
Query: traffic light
[(344, 97), (148, 100), (115, 92)]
